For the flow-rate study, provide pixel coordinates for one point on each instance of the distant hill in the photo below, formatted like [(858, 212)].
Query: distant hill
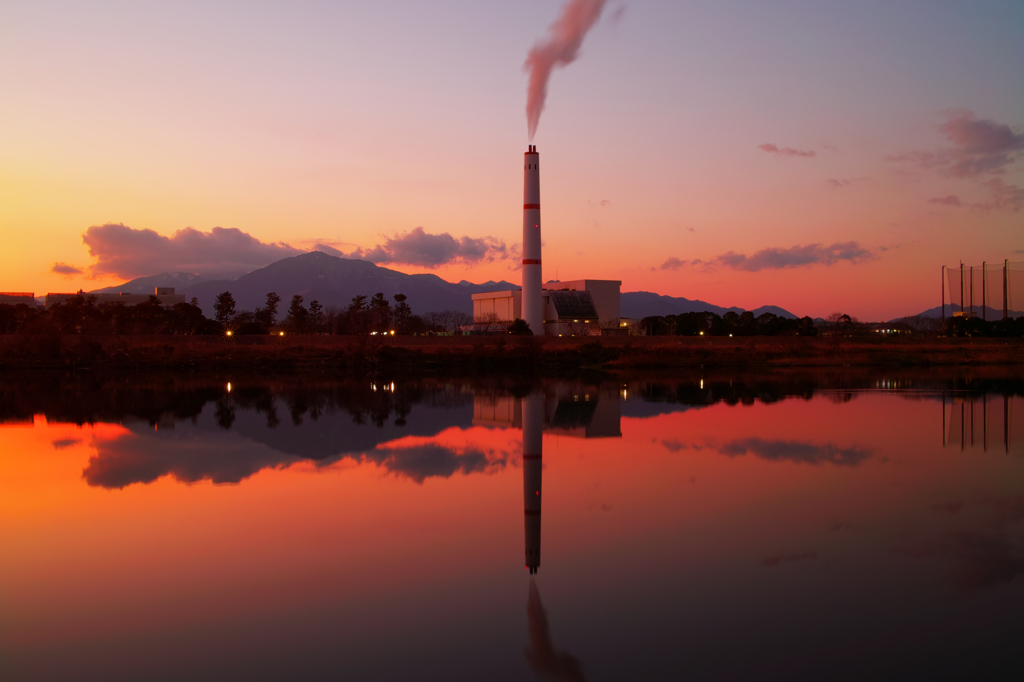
[(335, 281), (146, 285), (640, 304), (990, 314)]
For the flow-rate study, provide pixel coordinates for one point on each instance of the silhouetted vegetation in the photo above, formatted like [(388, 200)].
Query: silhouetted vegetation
[(520, 327), (730, 324), (977, 327), (85, 316)]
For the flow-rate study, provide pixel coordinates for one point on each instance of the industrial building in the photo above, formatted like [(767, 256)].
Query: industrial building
[(165, 295), (577, 308), (17, 298), (585, 307)]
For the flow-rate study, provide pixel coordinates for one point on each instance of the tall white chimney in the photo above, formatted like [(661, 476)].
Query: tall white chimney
[(533, 302)]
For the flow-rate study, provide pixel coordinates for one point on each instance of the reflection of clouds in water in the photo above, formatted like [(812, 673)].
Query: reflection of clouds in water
[(541, 654), (65, 443), (219, 457), (420, 462), (778, 450), (985, 556), (190, 455), (789, 558)]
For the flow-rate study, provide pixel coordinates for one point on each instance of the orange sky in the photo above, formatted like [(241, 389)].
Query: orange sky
[(352, 124)]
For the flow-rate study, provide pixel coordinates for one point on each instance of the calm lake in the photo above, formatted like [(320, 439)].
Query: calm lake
[(796, 527)]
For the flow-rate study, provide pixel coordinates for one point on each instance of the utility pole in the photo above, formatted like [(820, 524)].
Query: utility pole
[(961, 287), (1006, 290), (944, 295), (984, 288)]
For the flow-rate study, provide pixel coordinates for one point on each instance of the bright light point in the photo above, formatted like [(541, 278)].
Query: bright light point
[(280, 333), (392, 332), (702, 384), (702, 333), (229, 333), (229, 387)]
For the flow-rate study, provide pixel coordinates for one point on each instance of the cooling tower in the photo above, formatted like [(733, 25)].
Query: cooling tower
[(533, 303)]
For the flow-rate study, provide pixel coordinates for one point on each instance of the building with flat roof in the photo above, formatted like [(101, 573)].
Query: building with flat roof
[(165, 296), (17, 298), (575, 308)]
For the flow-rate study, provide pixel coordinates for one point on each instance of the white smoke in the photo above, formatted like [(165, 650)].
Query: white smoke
[(560, 48)]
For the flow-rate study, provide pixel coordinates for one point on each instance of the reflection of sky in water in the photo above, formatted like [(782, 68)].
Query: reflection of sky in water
[(837, 535)]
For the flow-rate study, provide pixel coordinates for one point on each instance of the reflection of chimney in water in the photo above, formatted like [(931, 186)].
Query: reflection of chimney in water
[(533, 428)]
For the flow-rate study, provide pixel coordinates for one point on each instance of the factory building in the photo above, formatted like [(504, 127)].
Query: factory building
[(577, 308), (17, 298), (166, 296), (569, 410), (585, 307)]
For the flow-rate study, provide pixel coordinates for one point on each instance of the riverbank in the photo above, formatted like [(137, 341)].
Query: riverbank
[(426, 354)]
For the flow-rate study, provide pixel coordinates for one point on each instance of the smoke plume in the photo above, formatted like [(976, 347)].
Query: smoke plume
[(560, 48)]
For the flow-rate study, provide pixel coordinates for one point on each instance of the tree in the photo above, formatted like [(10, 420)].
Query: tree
[(402, 314), (380, 312), (520, 327), (297, 315), (355, 316), (316, 315), (224, 307), (270, 310)]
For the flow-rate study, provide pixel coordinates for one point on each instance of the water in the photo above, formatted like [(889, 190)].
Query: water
[(696, 528)]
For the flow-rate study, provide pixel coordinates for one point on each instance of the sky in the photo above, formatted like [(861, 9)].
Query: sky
[(818, 156)]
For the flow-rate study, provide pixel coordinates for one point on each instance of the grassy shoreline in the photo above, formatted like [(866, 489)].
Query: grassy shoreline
[(482, 354)]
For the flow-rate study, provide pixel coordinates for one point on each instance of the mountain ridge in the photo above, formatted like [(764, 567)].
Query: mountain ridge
[(334, 281)]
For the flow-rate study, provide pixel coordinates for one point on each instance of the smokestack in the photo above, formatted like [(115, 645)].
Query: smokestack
[(533, 468), (533, 302)]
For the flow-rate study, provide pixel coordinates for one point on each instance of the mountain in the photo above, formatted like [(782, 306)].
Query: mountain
[(335, 281), (641, 304), (146, 285), (990, 314)]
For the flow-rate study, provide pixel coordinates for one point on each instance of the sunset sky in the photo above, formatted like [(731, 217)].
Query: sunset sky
[(818, 156)]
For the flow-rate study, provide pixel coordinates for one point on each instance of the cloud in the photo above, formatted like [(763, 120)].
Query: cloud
[(65, 443), (839, 183), (796, 256), (948, 200), (1003, 197), (795, 451), (324, 247), (65, 269), (673, 263), (980, 147), (786, 151), (418, 247), (128, 252)]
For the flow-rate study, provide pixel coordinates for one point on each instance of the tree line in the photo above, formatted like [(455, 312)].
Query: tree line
[(730, 324), (83, 314)]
